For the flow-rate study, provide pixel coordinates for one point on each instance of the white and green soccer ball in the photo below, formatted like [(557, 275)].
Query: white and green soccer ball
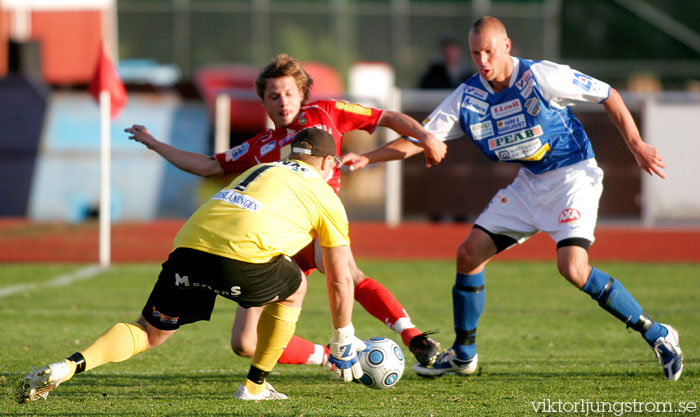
[(382, 363)]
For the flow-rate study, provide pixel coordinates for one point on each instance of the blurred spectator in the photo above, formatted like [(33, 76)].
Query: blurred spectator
[(450, 69)]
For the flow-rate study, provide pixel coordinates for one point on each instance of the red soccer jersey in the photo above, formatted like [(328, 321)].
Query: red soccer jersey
[(334, 116)]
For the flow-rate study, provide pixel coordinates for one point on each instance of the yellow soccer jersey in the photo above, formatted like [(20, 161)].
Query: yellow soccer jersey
[(270, 209)]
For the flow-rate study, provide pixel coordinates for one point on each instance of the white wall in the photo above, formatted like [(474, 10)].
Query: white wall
[(673, 128)]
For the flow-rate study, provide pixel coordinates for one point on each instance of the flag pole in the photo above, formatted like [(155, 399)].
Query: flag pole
[(105, 180)]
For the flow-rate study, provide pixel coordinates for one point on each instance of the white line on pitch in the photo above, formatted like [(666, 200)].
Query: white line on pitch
[(59, 281)]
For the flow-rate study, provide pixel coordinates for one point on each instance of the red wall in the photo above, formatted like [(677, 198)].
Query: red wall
[(69, 44), (4, 39)]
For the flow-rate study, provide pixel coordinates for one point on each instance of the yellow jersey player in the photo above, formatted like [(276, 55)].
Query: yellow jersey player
[(238, 245)]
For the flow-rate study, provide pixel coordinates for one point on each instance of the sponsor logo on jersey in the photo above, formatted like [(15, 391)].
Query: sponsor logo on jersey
[(476, 92), (481, 130), (528, 89), (298, 168), (582, 81), (519, 151), (569, 215), (237, 151), (267, 148), (525, 84), (353, 108), (510, 124), (475, 105), (532, 105), (240, 200), (506, 109), (515, 137), (537, 156)]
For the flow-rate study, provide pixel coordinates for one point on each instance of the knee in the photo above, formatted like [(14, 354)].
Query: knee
[(241, 348), (357, 275), (154, 337), (466, 259), (575, 273)]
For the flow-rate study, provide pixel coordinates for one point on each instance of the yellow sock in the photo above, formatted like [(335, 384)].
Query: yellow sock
[(275, 328), (118, 343), (252, 387)]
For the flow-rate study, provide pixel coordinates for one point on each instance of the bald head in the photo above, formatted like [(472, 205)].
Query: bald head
[(490, 50), (490, 25)]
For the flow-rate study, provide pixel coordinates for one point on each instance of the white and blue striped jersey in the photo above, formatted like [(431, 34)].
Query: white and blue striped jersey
[(529, 122)]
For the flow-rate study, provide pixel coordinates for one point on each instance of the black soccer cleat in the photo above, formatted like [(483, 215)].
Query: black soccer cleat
[(424, 348)]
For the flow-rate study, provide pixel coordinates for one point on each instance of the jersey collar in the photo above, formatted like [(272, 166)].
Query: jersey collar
[(513, 76)]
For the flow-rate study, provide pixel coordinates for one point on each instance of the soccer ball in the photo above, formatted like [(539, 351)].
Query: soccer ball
[(382, 363)]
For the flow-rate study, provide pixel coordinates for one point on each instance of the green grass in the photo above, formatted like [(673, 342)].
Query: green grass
[(539, 339)]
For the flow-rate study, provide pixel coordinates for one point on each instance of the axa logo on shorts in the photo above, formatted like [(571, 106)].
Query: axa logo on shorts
[(185, 282), (569, 215)]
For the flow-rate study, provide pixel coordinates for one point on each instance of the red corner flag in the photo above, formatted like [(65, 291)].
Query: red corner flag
[(106, 78)]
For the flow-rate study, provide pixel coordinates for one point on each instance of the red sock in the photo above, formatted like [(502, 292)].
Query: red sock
[(409, 334), (297, 352), (381, 303)]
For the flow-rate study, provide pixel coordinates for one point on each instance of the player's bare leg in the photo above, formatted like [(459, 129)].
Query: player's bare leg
[(611, 295), (244, 334), (468, 296), (244, 337), (118, 343)]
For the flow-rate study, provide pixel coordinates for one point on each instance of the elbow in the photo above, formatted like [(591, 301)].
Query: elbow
[(209, 169)]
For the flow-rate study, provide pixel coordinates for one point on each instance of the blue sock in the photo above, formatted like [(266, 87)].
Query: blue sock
[(468, 297), (614, 298)]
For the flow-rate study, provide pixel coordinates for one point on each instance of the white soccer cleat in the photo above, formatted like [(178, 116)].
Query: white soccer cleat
[(668, 352), (447, 362), (38, 383), (268, 393)]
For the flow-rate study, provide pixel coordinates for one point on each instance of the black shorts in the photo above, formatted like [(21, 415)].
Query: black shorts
[(190, 281)]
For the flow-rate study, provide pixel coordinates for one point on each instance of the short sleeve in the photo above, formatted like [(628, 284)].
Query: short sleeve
[(350, 116), (237, 159), (563, 86), (443, 122)]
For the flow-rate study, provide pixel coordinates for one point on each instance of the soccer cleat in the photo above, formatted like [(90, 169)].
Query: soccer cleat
[(668, 352), (268, 393), (447, 362), (38, 383), (425, 349)]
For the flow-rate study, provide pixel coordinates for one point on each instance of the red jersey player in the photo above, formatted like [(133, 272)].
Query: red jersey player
[(283, 87)]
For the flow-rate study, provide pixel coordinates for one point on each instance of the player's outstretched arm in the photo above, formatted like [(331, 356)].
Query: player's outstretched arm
[(404, 125), (398, 149), (194, 163), (344, 344), (647, 156)]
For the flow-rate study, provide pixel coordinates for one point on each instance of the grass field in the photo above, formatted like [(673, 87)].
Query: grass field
[(540, 340)]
